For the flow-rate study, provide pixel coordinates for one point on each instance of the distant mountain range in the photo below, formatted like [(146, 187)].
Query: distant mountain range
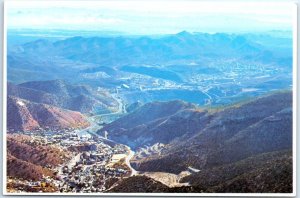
[(205, 69), (70, 57), (125, 50)]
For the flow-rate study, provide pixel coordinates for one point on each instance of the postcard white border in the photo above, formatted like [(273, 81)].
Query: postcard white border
[(295, 124)]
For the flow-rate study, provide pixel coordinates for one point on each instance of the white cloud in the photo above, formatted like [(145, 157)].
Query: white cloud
[(154, 6), (152, 15)]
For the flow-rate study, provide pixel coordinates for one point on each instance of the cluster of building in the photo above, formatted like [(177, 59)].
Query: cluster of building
[(88, 178), (88, 171), (91, 166)]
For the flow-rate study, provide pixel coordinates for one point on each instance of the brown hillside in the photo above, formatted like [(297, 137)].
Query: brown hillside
[(24, 115)]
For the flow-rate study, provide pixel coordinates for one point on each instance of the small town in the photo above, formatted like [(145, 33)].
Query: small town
[(95, 163)]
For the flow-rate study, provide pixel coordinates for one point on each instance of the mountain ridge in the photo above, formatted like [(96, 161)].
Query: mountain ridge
[(25, 115), (199, 138), (143, 47)]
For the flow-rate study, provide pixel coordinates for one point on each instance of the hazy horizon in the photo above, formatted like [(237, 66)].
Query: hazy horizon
[(155, 18)]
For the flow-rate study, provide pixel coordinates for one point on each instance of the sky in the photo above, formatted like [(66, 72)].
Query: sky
[(150, 17)]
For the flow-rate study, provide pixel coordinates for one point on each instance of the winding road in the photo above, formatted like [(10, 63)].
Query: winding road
[(127, 161), (94, 127)]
